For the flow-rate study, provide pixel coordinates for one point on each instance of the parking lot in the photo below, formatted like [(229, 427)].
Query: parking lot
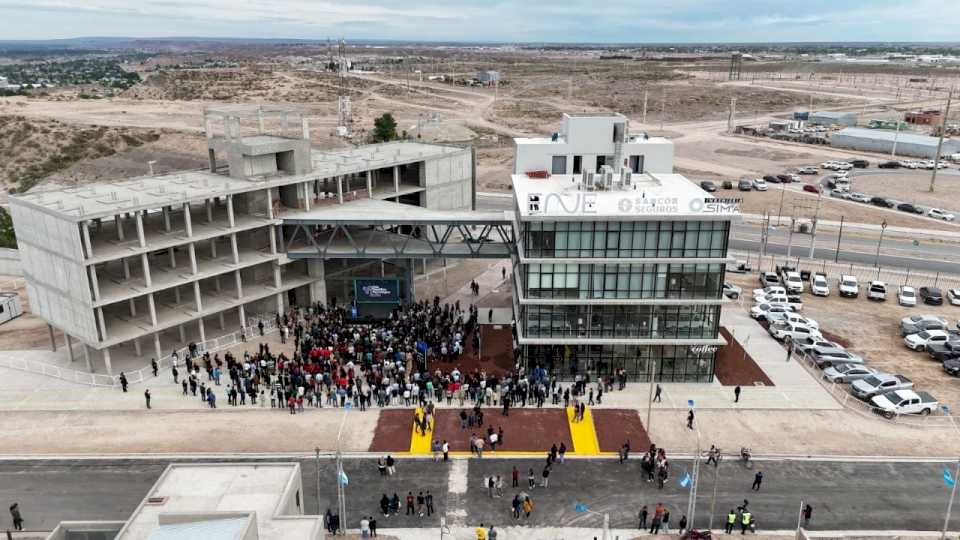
[(872, 330)]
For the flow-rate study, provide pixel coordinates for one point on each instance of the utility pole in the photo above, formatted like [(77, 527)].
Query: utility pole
[(644, 106), (836, 257), (813, 226), (943, 130), (780, 211), (317, 450), (896, 135), (653, 372), (793, 222), (953, 493), (733, 113), (883, 227), (663, 104)]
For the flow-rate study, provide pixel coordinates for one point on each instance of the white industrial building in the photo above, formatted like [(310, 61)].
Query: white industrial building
[(146, 265), (883, 141), (616, 267), (587, 142)]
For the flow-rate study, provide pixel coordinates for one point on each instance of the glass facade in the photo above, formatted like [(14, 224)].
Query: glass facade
[(620, 321), (629, 281), (674, 363), (578, 239)]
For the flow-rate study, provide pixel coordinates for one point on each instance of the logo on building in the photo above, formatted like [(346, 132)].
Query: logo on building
[(649, 205), (710, 205), (376, 291), (577, 203), (704, 349)]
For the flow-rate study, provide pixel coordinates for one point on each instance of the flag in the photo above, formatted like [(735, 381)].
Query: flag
[(580, 507), (343, 478), (685, 479), (948, 478)]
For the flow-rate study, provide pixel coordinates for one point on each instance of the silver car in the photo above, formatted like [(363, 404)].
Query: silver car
[(847, 373)]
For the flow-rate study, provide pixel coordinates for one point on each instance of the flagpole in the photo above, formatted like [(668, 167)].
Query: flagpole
[(953, 493)]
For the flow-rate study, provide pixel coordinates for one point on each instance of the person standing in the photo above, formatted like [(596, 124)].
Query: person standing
[(516, 477), (123, 381), (364, 528), (373, 526), (146, 396), (655, 524), (731, 521), (154, 366), (176, 374), (481, 532), (745, 521), (410, 508), (15, 515), (683, 525), (546, 476), (736, 394), (656, 395), (643, 518), (515, 505), (429, 501), (531, 479), (807, 514), (665, 522), (690, 419), (757, 480), (445, 447), (492, 533)]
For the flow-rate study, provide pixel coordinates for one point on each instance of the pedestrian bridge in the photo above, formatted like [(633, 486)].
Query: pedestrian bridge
[(375, 229)]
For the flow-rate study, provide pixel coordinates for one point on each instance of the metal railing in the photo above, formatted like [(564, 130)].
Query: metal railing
[(163, 364)]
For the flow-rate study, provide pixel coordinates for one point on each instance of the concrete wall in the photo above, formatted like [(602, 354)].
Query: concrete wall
[(52, 260), (10, 262), (449, 182)]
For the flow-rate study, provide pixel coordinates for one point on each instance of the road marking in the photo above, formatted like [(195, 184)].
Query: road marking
[(458, 479), (583, 434), (420, 444)]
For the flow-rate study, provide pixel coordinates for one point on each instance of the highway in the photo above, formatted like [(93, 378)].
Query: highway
[(845, 495)]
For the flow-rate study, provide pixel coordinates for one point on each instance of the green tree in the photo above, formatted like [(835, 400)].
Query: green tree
[(384, 128), (8, 238)]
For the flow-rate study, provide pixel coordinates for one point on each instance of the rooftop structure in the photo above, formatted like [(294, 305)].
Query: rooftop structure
[(907, 144)]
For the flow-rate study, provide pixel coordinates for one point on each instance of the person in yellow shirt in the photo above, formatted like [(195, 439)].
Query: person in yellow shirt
[(481, 532)]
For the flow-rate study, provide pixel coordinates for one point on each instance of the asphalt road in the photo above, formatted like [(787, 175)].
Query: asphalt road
[(845, 495)]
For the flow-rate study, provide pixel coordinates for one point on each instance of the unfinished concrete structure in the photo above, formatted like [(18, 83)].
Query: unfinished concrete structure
[(146, 265)]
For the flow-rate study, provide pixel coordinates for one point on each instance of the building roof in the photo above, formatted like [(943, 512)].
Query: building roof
[(833, 114), (889, 135), (107, 199), (651, 197), (374, 211), (633, 138)]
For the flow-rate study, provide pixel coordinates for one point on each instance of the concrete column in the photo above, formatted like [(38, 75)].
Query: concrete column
[(145, 261), (106, 360), (273, 241), (152, 306), (140, 234), (94, 282), (318, 288), (231, 221), (86, 357), (133, 307), (118, 221), (208, 205), (173, 257), (216, 283), (307, 195), (284, 124), (203, 330), (87, 244), (187, 220), (260, 121), (213, 248), (183, 333), (236, 250), (176, 294), (340, 189), (370, 184), (279, 302), (242, 313), (136, 347), (424, 267), (103, 324), (223, 322), (236, 275), (396, 179), (304, 129), (276, 275), (212, 159), (70, 347), (126, 268), (156, 346), (53, 339), (196, 296), (166, 219), (280, 242), (270, 204), (192, 251)]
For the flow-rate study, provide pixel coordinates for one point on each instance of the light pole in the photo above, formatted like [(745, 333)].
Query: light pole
[(692, 501), (716, 478), (953, 493), (317, 450), (883, 227), (341, 485), (653, 372), (582, 508)]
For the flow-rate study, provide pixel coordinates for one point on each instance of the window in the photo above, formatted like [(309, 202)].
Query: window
[(577, 164), (559, 165), (636, 164)]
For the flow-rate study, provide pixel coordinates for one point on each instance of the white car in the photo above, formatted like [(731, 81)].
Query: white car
[(731, 291), (793, 282), (953, 296), (920, 340), (819, 285), (783, 330), (807, 170), (769, 312), (769, 291), (906, 296), (940, 214), (859, 197), (795, 318), (877, 290), (847, 373), (848, 286), (759, 184)]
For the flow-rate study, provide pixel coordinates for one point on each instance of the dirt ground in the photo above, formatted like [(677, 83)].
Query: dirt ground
[(873, 331), (26, 331)]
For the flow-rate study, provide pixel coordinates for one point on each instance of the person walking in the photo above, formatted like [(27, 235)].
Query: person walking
[(410, 508), (373, 526), (175, 374), (745, 521), (731, 521), (736, 394), (656, 395), (445, 447), (690, 419), (527, 507), (481, 532), (757, 480), (655, 524), (154, 366), (146, 396), (807, 514), (391, 465), (515, 473), (643, 518), (515, 506), (531, 479), (15, 515), (123, 381), (665, 522), (546, 476), (682, 526)]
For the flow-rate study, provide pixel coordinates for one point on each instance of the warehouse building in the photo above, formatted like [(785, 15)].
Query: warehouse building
[(833, 118), (907, 144)]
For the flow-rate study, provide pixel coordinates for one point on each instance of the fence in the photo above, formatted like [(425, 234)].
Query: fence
[(890, 275), (140, 375), (937, 419)]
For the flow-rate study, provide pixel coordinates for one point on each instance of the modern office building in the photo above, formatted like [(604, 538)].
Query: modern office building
[(616, 267), (145, 265)]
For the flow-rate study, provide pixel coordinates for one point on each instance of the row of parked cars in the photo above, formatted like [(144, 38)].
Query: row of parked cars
[(928, 164), (886, 202)]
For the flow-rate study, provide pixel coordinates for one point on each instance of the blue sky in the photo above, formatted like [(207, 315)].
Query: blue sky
[(591, 21)]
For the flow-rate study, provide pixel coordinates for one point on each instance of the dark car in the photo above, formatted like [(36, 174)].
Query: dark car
[(708, 186), (907, 207), (859, 163), (784, 179), (882, 202), (728, 184), (952, 366), (931, 295), (944, 351), (745, 185), (812, 188), (889, 165), (771, 179)]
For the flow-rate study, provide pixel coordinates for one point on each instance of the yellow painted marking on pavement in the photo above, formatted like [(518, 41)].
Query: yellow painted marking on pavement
[(420, 444), (583, 434)]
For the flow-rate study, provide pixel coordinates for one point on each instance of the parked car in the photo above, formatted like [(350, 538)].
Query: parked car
[(916, 323), (759, 184), (769, 290), (944, 351), (920, 340), (859, 197), (825, 357), (859, 163), (731, 291), (771, 179), (783, 330), (739, 267), (784, 178), (767, 312), (812, 188), (848, 286), (769, 278), (880, 383), (904, 402), (819, 285), (807, 170), (708, 186), (728, 184), (796, 318), (877, 291), (953, 295), (909, 207), (792, 281), (889, 165), (906, 296), (806, 344), (745, 185), (952, 367), (793, 177), (931, 296), (847, 373), (940, 214)]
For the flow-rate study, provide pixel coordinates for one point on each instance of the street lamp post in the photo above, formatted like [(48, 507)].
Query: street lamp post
[(341, 488), (883, 227), (713, 499), (653, 372), (695, 479), (953, 494)]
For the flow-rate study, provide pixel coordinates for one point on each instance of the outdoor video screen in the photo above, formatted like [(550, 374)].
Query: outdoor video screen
[(377, 291)]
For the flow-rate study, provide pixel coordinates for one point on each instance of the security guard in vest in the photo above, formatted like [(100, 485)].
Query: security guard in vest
[(731, 521), (745, 521)]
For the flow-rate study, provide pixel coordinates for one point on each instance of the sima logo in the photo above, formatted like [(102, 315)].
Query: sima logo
[(577, 203)]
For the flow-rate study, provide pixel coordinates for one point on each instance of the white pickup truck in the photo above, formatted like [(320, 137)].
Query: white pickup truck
[(904, 402), (848, 286), (819, 285)]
